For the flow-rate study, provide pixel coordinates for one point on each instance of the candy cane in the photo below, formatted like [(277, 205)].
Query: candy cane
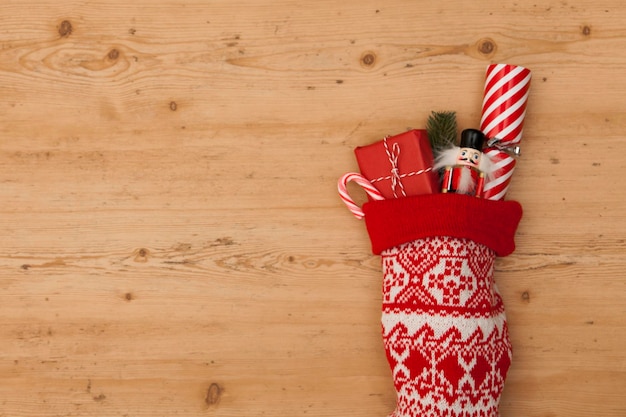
[(342, 187)]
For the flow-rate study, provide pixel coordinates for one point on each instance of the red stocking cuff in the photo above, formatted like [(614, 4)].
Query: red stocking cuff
[(395, 221)]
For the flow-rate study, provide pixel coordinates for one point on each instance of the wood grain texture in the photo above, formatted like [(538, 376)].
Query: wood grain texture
[(172, 243)]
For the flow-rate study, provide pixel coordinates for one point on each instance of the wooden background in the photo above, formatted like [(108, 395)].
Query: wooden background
[(172, 242)]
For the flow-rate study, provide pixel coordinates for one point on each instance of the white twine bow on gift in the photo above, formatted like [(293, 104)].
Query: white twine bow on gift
[(396, 177), (393, 156), (342, 186)]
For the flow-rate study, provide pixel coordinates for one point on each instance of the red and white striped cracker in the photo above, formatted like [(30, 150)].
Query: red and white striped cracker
[(503, 167), (504, 102)]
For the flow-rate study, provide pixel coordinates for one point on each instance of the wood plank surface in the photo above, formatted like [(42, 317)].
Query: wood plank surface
[(172, 242)]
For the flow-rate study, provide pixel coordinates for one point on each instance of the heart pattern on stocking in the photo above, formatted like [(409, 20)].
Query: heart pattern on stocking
[(444, 328)]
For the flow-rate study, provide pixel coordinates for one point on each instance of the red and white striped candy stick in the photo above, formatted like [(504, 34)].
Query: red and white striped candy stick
[(504, 108), (342, 186)]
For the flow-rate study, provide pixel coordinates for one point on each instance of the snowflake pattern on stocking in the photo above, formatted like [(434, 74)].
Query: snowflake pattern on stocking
[(444, 328)]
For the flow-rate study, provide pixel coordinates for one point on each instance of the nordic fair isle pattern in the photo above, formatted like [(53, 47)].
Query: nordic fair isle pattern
[(444, 328)]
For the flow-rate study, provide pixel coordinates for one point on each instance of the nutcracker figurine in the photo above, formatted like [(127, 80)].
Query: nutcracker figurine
[(465, 167)]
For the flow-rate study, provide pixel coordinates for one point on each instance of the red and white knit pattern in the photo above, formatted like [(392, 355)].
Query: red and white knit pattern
[(444, 328)]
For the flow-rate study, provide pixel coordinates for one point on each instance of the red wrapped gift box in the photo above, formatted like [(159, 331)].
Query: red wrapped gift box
[(399, 166)]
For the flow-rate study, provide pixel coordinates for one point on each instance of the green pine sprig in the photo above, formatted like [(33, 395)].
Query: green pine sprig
[(442, 130)]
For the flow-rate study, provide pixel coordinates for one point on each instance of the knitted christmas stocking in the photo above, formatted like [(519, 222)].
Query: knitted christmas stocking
[(443, 320)]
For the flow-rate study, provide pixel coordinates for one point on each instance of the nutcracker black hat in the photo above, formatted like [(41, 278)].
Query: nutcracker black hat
[(472, 138)]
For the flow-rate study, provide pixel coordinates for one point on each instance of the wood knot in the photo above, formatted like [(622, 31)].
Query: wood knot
[(173, 106), (586, 30), (213, 395), (526, 297), (368, 59), (141, 255), (486, 46), (99, 398), (113, 54), (65, 28)]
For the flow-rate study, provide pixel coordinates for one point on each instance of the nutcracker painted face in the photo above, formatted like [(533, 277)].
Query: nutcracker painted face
[(469, 157)]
